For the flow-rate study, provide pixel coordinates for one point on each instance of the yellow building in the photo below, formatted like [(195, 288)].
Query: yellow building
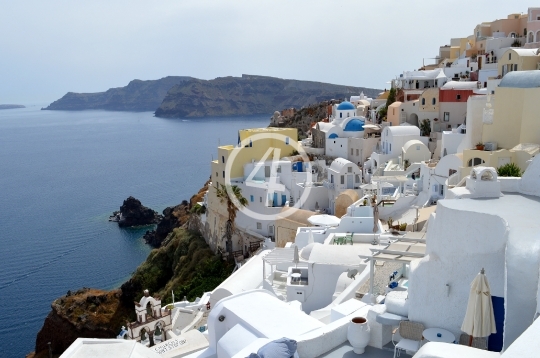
[(518, 59), (394, 113), (253, 144), (515, 126)]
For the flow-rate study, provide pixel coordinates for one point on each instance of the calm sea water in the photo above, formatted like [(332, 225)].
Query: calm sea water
[(61, 176)]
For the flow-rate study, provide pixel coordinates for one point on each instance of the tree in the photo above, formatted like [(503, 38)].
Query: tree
[(391, 97), (233, 205), (425, 127)]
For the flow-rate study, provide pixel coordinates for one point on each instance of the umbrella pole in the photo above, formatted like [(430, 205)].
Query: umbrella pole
[(470, 341)]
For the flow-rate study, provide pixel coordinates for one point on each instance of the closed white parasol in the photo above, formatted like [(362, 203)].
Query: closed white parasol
[(479, 320), (324, 220)]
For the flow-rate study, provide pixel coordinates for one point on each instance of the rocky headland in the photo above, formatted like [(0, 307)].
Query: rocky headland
[(137, 96), (182, 96), (248, 95), (183, 263), (11, 106)]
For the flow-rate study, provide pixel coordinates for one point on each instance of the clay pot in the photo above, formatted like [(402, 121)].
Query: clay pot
[(358, 334)]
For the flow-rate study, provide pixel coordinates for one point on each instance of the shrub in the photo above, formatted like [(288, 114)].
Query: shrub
[(425, 127), (509, 170)]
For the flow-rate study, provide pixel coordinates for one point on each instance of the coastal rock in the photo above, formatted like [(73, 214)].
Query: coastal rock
[(87, 312), (248, 95), (173, 217), (137, 96), (133, 213)]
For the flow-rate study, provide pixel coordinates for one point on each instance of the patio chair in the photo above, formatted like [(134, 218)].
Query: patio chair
[(477, 342), (411, 337)]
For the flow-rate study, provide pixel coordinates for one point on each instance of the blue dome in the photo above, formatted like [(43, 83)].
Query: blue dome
[(343, 106), (333, 135), (354, 125)]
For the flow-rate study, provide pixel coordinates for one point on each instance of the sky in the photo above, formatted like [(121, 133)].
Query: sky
[(49, 48)]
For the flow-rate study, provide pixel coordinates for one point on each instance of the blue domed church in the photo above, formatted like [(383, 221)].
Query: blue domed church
[(343, 134)]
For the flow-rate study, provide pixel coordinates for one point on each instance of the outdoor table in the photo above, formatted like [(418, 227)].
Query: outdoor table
[(438, 335), (295, 276)]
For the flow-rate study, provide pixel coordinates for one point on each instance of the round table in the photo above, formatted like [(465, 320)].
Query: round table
[(295, 277), (438, 335)]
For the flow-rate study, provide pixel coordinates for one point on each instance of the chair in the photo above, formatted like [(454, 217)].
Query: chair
[(411, 337), (477, 342)]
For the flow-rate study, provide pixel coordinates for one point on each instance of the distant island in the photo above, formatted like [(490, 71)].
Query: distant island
[(137, 96), (180, 97), (248, 95), (11, 106)]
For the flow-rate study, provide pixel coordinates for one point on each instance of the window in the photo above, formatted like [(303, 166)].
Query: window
[(357, 152), (217, 174), (417, 147), (423, 101), (343, 179), (331, 178), (458, 97), (259, 226), (510, 56), (287, 140), (475, 161), (435, 188), (515, 66), (352, 151), (341, 115), (224, 173), (251, 198), (260, 199), (433, 101), (349, 170), (223, 159), (451, 172), (357, 178), (390, 147), (446, 117)]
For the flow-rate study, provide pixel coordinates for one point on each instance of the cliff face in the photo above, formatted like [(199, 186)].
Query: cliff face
[(137, 96), (87, 313), (248, 95)]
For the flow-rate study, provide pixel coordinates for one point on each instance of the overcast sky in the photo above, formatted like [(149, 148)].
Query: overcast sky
[(48, 48)]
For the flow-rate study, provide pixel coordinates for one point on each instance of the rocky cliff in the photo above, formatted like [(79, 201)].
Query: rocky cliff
[(248, 95), (184, 263), (137, 96), (87, 313)]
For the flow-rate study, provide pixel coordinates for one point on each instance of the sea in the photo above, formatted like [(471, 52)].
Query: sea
[(62, 173)]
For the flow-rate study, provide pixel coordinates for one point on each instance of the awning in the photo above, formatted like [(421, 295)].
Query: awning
[(372, 126), (399, 251), (391, 178), (279, 255)]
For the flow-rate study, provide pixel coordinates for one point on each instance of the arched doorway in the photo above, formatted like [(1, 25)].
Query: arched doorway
[(413, 119)]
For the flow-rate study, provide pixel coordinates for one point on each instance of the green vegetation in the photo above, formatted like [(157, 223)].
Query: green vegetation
[(184, 264), (198, 209), (391, 97), (509, 170)]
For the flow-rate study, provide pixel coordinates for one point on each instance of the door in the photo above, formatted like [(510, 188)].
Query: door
[(350, 184), (503, 161), (283, 199)]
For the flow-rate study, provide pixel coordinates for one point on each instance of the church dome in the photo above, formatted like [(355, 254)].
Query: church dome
[(343, 106), (354, 125)]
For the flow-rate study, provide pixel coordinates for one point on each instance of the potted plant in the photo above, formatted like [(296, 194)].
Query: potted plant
[(480, 146)]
